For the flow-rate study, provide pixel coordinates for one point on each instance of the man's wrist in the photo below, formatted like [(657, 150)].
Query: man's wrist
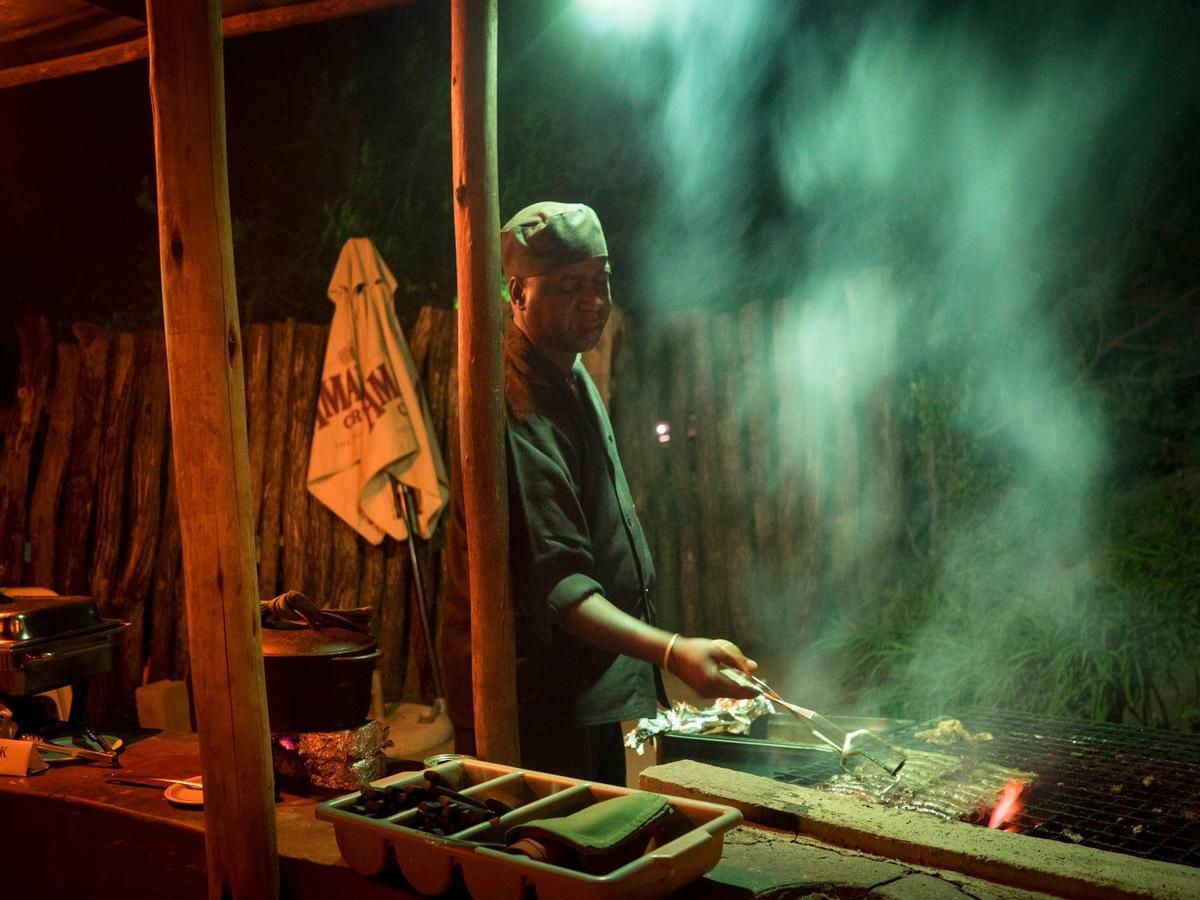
[(666, 657)]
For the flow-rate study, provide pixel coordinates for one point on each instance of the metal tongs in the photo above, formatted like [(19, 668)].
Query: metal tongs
[(861, 742), (108, 757)]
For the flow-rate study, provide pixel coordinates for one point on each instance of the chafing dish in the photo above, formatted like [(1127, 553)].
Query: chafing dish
[(49, 641)]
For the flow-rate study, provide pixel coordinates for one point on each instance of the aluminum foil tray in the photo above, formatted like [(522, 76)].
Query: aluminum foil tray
[(434, 865)]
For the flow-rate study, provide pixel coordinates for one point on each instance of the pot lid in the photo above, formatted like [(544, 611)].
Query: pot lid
[(28, 616), (304, 641)]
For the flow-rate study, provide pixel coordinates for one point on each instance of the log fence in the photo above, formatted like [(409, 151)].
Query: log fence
[(752, 494), (36, 357), (746, 542), (87, 444)]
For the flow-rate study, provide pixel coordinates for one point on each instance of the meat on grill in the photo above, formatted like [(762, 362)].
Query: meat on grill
[(951, 732), (946, 786)]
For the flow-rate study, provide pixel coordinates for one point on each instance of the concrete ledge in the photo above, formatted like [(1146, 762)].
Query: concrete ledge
[(1034, 864), (761, 863)]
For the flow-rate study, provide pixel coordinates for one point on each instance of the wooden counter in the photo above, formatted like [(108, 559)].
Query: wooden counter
[(68, 834)]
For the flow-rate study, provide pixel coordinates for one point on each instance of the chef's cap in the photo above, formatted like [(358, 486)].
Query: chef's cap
[(547, 235)]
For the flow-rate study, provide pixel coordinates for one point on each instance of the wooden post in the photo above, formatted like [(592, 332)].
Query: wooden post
[(258, 406), (80, 490), (681, 462), (393, 619), (212, 467), (145, 509), (111, 469), (110, 532), (283, 348), (481, 367), (168, 619), (43, 510), (298, 556), (37, 358), (756, 355)]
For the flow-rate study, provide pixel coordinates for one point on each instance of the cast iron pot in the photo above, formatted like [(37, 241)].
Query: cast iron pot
[(318, 665)]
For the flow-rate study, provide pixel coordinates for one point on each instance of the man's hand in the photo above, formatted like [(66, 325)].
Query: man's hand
[(698, 662)]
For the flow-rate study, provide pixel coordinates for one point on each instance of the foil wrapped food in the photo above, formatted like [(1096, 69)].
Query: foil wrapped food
[(356, 743), (726, 716), (343, 760), (346, 775)]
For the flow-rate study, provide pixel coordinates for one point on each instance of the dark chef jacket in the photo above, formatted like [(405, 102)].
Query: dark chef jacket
[(572, 532)]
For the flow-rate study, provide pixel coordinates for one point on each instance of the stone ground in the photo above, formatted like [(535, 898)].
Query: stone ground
[(766, 864)]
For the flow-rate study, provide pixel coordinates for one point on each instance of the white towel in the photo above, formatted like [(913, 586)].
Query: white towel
[(372, 420)]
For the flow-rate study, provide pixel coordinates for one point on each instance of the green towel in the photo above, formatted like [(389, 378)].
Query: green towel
[(596, 839)]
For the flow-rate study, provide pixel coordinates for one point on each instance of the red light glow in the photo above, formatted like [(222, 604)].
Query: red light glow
[(1008, 806)]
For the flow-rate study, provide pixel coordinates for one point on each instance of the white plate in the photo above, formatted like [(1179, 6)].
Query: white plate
[(182, 795)]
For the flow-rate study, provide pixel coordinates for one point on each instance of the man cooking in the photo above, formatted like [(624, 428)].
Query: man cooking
[(580, 571)]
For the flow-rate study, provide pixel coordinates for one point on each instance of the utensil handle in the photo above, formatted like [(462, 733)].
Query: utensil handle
[(110, 758), (135, 781)]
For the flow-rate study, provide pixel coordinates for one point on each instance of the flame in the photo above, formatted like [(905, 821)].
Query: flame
[(1008, 805)]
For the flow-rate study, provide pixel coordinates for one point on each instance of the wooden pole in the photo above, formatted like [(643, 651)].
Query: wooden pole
[(481, 369), (145, 510), (212, 466), (43, 510), (37, 359), (283, 349), (253, 21), (109, 531), (82, 461)]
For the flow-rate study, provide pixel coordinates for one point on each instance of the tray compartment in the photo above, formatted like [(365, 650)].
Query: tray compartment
[(426, 861), (364, 847), (464, 775), (561, 803), (474, 780), (434, 865), (519, 789), (692, 845)]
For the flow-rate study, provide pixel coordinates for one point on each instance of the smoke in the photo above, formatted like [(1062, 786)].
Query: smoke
[(944, 196)]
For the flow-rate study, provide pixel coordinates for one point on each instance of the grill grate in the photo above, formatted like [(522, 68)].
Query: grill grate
[(1131, 790)]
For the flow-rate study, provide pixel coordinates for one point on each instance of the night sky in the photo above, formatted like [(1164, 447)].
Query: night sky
[(345, 124)]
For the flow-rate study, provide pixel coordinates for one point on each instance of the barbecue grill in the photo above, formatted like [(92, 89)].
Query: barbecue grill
[(1114, 787)]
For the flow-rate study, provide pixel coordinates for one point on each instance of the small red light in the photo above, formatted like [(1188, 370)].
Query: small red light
[(1008, 806)]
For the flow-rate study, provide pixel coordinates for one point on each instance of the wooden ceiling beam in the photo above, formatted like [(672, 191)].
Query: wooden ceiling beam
[(272, 19), (130, 9)]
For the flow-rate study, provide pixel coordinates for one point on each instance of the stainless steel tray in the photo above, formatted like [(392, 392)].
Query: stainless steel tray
[(775, 743), (433, 865), (789, 729), (27, 618)]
